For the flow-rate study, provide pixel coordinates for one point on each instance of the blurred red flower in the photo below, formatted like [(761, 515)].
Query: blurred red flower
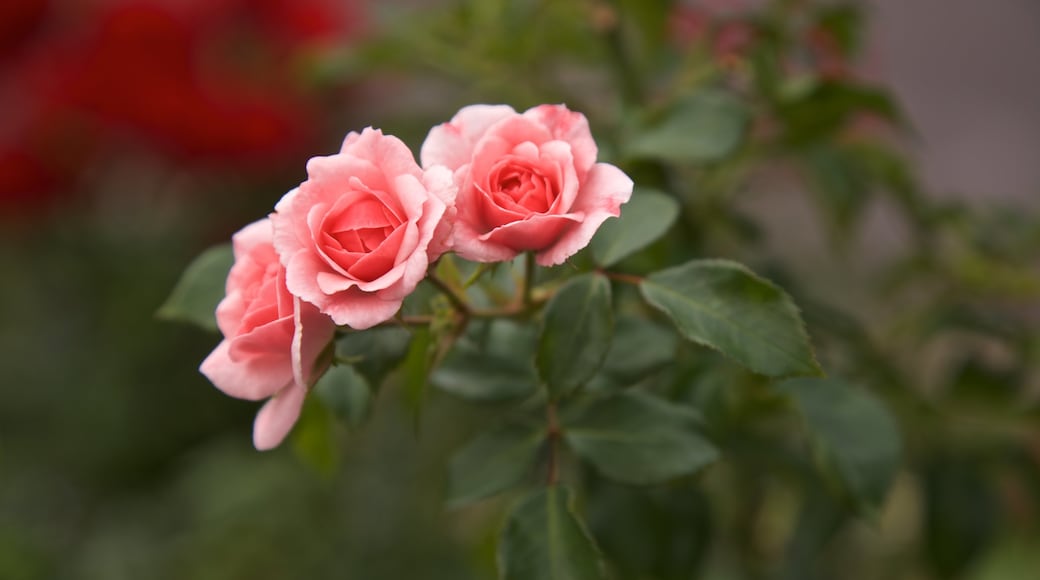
[(201, 82)]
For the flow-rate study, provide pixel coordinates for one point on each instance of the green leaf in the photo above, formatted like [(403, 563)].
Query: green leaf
[(640, 347), (843, 186), (544, 540), (845, 23), (723, 305), (636, 438), (494, 462), (1016, 557), (195, 297), (853, 434), (659, 532), (313, 440), (490, 364), (417, 365), (826, 109), (646, 217), (346, 393), (961, 512), (701, 128), (576, 331), (374, 352)]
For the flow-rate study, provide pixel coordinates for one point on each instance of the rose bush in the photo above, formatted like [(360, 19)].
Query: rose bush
[(359, 234), (527, 181), (272, 341)]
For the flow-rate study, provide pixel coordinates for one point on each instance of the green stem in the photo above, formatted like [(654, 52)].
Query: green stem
[(456, 299), (554, 433), (626, 278)]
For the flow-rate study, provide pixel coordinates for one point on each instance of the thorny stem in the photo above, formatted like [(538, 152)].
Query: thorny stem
[(459, 302), (554, 433), (626, 278)]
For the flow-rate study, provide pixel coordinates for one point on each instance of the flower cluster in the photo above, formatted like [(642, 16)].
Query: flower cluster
[(353, 240)]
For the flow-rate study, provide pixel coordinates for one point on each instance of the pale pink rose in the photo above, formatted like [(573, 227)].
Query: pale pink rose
[(526, 181), (272, 341), (359, 234)]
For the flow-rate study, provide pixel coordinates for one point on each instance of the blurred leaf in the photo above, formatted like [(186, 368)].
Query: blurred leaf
[(983, 384), (891, 170), (374, 352), (1015, 558), (490, 363), (646, 217), (313, 440), (640, 347), (701, 128), (820, 516), (828, 108), (494, 462), (854, 435), (991, 276), (714, 385), (195, 297), (636, 438), (650, 19), (651, 532), (346, 393), (843, 187), (845, 22), (960, 513), (577, 327), (417, 364), (723, 305), (544, 540)]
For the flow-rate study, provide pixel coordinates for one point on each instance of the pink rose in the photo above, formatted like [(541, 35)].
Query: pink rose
[(272, 340), (359, 234), (526, 181)]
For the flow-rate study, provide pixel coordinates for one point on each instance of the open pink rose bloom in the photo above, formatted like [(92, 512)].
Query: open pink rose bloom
[(272, 340), (527, 181), (359, 234)]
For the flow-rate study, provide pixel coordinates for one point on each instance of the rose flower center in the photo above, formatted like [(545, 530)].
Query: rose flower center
[(521, 188), (353, 236)]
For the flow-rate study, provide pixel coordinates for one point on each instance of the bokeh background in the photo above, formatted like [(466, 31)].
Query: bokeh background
[(136, 133)]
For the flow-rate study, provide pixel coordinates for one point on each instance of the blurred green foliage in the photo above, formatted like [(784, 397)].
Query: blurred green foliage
[(117, 460)]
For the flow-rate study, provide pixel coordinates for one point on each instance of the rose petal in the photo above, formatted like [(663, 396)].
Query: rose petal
[(286, 235), (439, 182), (247, 239), (267, 339), (360, 310), (277, 417), (469, 245), (253, 380), (601, 196), (516, 129), (538, 231), (451, 144), (317, 331), (569, 126), (301, 277), (330, 177), (388, 153), (377, 263), (296, 346)]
